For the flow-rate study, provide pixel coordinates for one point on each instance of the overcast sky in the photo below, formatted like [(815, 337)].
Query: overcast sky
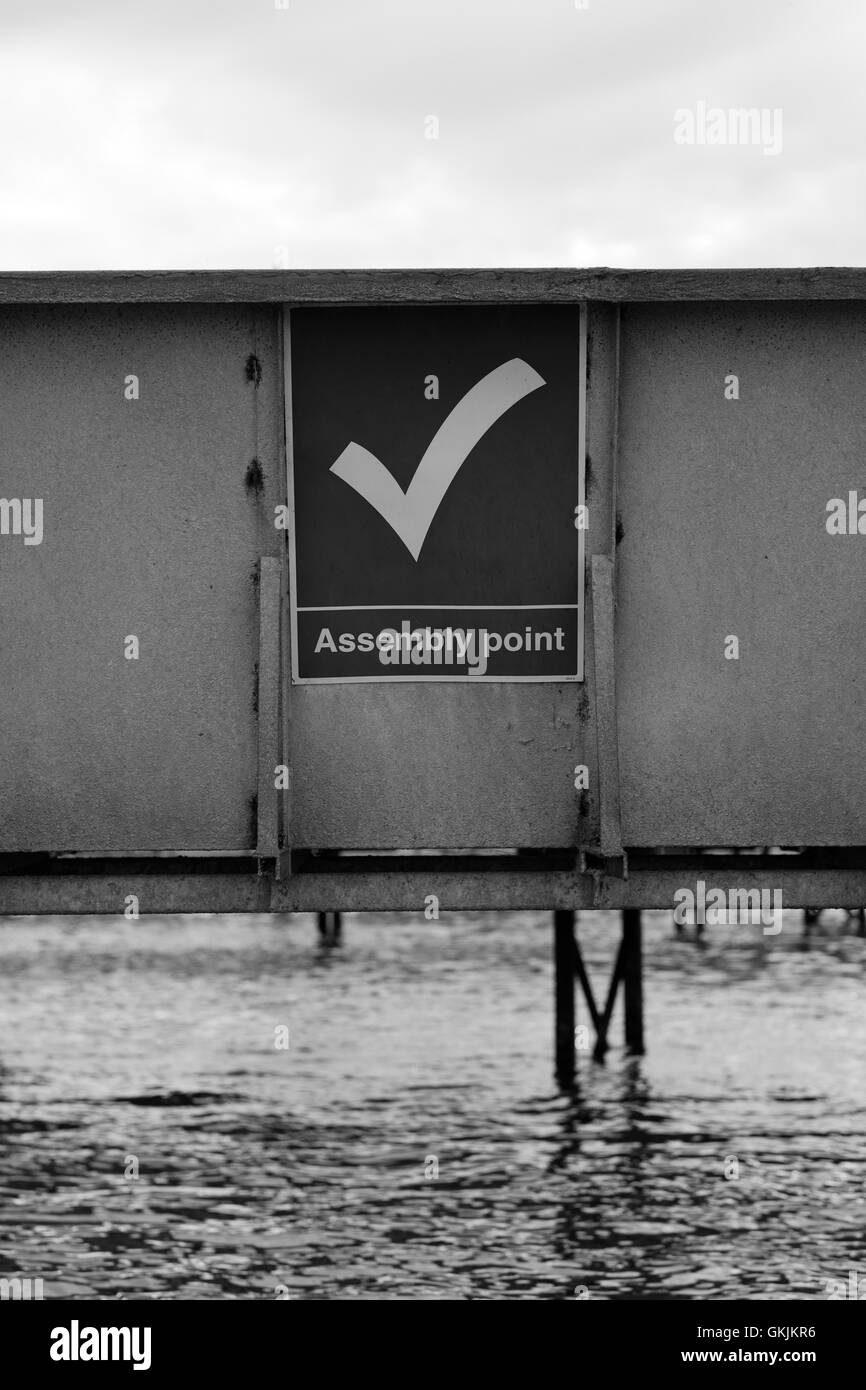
[(208, 133)]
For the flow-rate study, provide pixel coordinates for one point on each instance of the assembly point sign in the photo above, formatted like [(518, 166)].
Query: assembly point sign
[(436, 493)]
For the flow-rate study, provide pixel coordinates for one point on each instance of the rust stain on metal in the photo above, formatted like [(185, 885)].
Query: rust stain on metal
[(254, 480), (254, 369)]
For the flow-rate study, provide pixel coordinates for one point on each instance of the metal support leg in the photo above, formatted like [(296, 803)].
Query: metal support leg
[(330, 928), (632, 973), (563, 970)]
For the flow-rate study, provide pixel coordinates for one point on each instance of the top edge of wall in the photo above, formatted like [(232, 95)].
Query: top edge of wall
[(463, 286)]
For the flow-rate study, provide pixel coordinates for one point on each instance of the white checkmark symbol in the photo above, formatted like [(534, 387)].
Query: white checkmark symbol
[(410, 513)]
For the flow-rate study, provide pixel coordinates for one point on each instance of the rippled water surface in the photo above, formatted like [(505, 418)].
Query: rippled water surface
[(309, 1171)]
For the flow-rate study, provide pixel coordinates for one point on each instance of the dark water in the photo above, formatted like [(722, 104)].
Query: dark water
[(300, 1172)]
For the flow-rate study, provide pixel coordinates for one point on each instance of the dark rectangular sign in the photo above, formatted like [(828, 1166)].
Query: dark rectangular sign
[(436, 491)]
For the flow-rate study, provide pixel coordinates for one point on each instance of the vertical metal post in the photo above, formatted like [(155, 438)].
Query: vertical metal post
[(330, 928), (563, 986), (267, 803), (632, 975)]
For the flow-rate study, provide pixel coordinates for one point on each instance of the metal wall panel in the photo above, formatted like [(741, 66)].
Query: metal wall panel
[(153, 526), (442, 766), (723, 506)]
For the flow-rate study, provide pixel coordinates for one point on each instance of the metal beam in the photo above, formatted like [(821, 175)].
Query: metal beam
[(54, 886), (553, 285)]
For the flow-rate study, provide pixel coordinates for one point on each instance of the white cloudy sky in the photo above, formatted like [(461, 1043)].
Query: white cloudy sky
[(208, 133)]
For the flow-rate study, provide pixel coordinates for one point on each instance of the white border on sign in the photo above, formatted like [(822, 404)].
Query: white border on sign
[(434, 607)]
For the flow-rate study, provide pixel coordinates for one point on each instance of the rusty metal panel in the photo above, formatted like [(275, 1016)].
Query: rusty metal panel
[(723, 509), (156, 513)]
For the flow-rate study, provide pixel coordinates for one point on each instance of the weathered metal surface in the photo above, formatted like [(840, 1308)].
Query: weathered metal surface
[(564, 285), (449, 766), (194, 886), (724, 509), (156, 512)]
